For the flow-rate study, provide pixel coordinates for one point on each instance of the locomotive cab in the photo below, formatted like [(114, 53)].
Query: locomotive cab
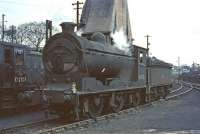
[(7, 63), (12, 63)]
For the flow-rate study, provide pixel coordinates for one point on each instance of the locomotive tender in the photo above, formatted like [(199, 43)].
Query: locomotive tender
[(87, 74), (21, 71)]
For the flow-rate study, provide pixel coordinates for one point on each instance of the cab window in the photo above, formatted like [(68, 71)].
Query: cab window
[(141, 57), (8, 56), (19, 57)]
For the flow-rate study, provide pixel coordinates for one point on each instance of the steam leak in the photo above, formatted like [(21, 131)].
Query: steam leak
[(120, 41), (79, 32)]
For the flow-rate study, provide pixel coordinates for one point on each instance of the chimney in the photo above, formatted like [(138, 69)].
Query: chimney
[(68, 27)]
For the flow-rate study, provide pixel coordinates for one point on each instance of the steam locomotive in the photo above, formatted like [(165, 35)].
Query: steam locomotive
[(21, 72), (192, 76), (88, 74)]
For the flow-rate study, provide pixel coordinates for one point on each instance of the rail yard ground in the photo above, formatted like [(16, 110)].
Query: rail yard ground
[(16, 120), (180, 115)]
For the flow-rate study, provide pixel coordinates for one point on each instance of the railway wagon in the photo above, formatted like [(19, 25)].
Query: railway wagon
[(21, 71)]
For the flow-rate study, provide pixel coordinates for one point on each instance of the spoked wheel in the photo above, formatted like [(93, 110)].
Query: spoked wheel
[(162, 93), (156, 94), (95, 105), (152, 95), (117, 102), (134, 99), (67, 113)]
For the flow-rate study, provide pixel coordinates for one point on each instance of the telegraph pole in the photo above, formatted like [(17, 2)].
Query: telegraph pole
[(48, 29), (12, 31), (77, 4), (179, 69), (147, 67), (3, 26)]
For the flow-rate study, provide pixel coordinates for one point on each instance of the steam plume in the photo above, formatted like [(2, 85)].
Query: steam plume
[(120, 40)]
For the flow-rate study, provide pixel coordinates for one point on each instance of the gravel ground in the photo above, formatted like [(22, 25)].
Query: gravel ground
[(14, 120), (179, 116)]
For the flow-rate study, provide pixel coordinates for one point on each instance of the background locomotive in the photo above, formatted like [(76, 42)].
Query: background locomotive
[(192, 76), (88, 73), (21, 72)]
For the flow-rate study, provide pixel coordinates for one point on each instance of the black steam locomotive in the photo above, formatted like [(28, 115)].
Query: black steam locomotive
[(88, 74), (21, 72)]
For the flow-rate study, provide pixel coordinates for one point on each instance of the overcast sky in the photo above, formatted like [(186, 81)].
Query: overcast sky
[(173, 24)]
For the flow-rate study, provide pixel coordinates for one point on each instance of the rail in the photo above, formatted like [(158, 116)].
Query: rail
[(21, 126), (177, 89), (182, 93)]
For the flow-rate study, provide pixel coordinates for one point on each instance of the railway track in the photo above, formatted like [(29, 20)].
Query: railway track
[(53, 126), (196, 86), (176, 90), (64, 128), (183, 89), (19, 128), (85, 123)]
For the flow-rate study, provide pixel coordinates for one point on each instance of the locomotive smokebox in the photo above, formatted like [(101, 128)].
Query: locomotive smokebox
[(68, 27)]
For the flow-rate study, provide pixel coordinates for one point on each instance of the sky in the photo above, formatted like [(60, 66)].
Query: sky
[(174, 25)]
